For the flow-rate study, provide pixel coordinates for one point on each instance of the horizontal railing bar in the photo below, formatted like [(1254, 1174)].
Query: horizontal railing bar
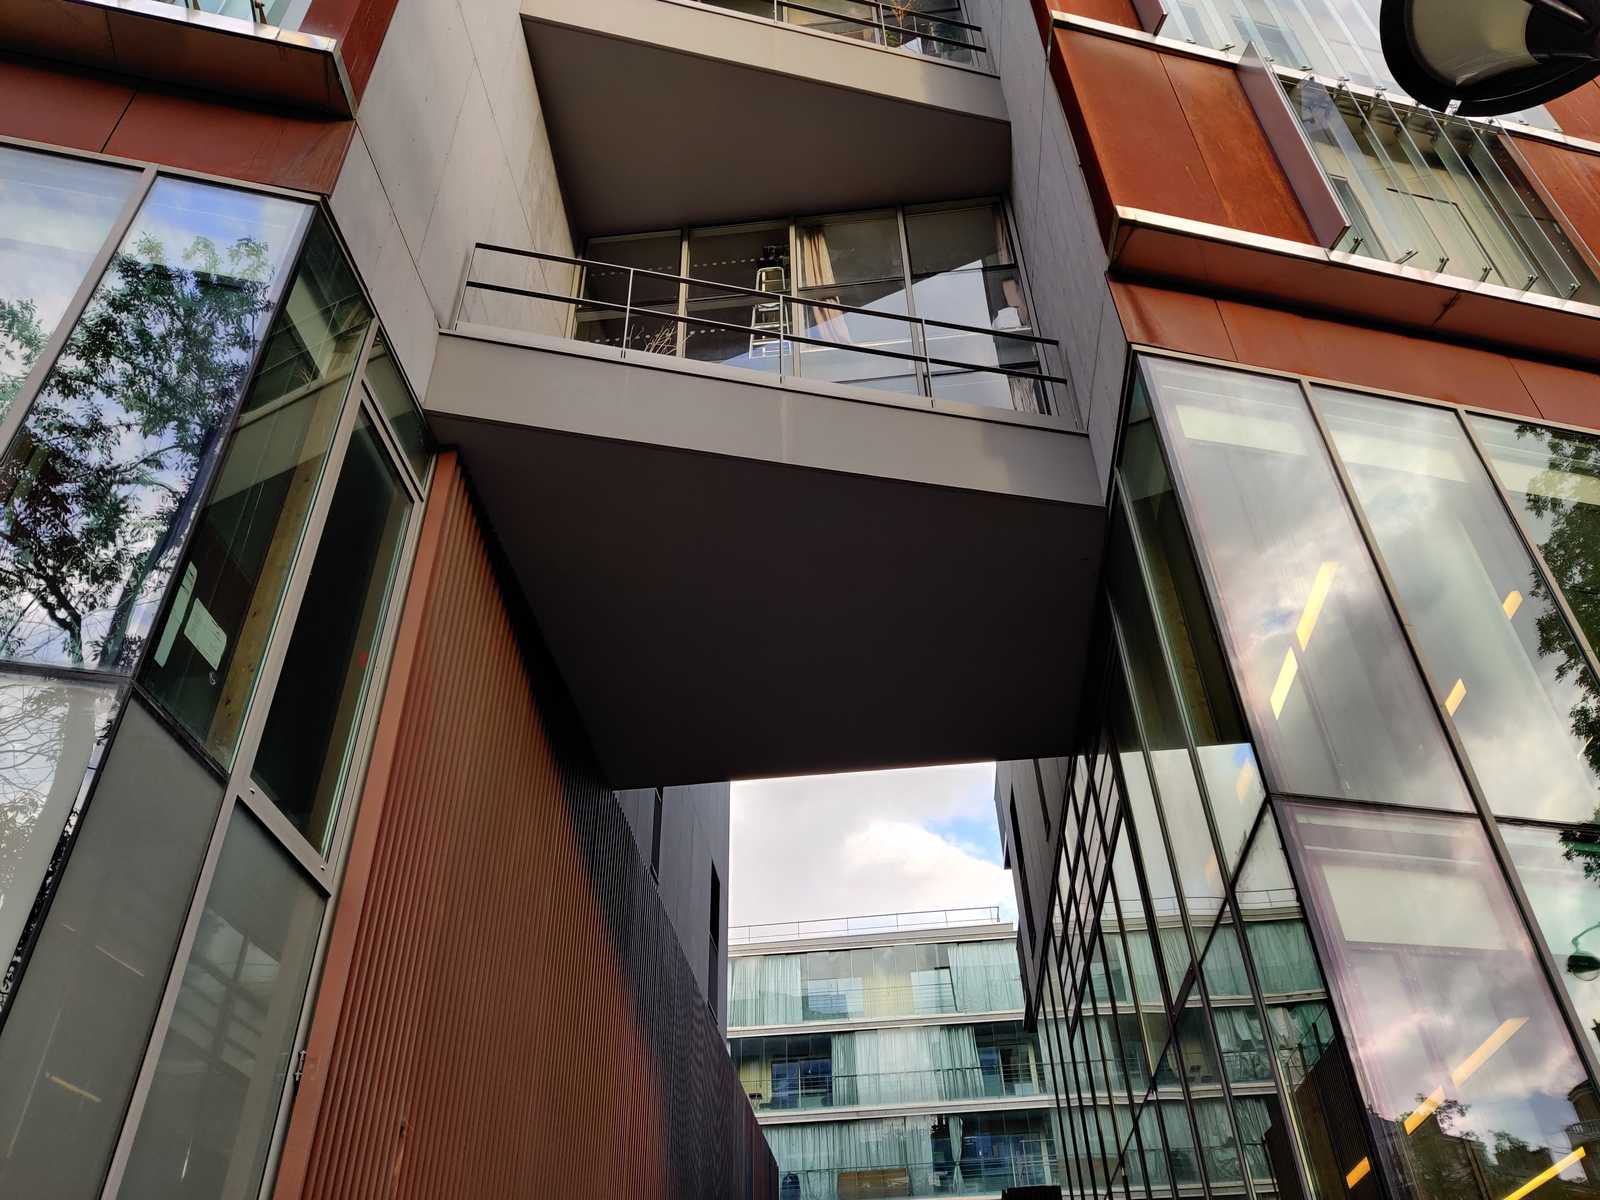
[(956, 365), (868, 23), (734, 289)]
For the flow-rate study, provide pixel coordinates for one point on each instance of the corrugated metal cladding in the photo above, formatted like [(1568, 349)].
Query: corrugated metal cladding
[(504, 1011)]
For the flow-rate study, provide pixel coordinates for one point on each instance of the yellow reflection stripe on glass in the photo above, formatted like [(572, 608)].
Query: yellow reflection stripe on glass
[(1243, 784), (1424, 1110), (1320, 587), (1546, 1175), (1358, 1172), (1513, 602), (1456, 696), (1481, 1055), (1286, 674)]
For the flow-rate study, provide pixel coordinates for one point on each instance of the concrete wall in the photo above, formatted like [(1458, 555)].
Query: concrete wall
[(1055, 223), (450, 149), (694, 841)]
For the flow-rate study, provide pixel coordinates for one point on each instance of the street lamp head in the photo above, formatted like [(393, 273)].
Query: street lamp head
[(1494, 56)]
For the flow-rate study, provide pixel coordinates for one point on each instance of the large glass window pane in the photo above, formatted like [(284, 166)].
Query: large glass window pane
[(1336, 704), (213, 1104), (1468, 1067), (734, 262), (632, 273), (1222, 743), (208, 653), (76, 1034), (1166, 736), (301, 760), (956, 239), (50, 734), (1560, 871), (55, 215), (1507, 668), (95, 488), (388, 387)]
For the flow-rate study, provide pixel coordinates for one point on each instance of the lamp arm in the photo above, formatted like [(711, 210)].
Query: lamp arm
[(1578, 937)]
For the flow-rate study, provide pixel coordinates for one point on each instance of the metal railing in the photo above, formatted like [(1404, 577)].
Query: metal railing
[(973, 1175), (880, 22), (837, 343), (900, 1087), (982, 989), (937, 918), (245, 10)]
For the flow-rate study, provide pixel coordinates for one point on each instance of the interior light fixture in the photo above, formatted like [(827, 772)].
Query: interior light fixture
[(1357, 1173), (1456, 696), (1286, 674), (1490, 57), (1513, 601), (1320, 587)]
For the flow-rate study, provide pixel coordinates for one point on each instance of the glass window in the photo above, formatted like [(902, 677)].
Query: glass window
[(50, 734), (612, 287), (315, 706), (55, 214), (1166, 737), (213, 1103), (734, 262), (76, 1034), (1160, 889), (388, 387), (1476, 1093), (1507, 669), (95, 487), (1222, 743), (208, 652), (1560, 871), (1336, 704)]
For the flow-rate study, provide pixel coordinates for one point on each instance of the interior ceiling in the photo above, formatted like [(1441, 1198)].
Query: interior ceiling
[(723, 618), (703, 140)]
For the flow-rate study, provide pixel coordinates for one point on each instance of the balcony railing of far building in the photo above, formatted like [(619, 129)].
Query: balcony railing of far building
[(933, 28), (876, 923), (824, 1090), (977, 1174), (769, 332)]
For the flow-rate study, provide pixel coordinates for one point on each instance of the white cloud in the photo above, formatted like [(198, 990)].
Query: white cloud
[(876, 842)]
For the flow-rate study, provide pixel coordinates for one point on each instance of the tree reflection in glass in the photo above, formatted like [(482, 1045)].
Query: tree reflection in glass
[(97, 487), (1496, 647)]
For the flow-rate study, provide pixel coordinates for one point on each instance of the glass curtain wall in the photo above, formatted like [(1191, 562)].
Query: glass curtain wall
[(1398, 591), (1437, 193), (922, 301), (1338, 39), (205, 495)]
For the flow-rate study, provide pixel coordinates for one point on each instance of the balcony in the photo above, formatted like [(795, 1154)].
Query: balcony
[(230, 47), (795, 529), (665, 113), (875, 925), (800, 1093)]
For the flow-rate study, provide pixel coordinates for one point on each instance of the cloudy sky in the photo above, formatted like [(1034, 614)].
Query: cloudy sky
[(877, 842)]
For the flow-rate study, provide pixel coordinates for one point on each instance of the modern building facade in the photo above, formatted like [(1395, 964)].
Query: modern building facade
[(432, 426), (888, 1056), (1306, 907)]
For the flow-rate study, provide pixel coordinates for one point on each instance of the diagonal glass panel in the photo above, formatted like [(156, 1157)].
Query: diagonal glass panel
[(1505, 666), (1471, 1076), (1222, 743), (95, 490), (1335, 701)]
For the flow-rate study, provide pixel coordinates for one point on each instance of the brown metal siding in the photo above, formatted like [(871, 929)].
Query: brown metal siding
[(504, 1010)]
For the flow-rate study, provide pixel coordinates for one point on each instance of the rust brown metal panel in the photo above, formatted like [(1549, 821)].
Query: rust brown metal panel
[(1562, 393), (1568, 181), (1175, 320), (1246, 174), (486, 1024), (1146, 152), (1578, 112), (359, 26), (1375, 358), (59, 105), (241, 143)]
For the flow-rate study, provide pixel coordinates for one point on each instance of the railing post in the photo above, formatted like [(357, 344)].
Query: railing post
[(927, 365), (627, 313)]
